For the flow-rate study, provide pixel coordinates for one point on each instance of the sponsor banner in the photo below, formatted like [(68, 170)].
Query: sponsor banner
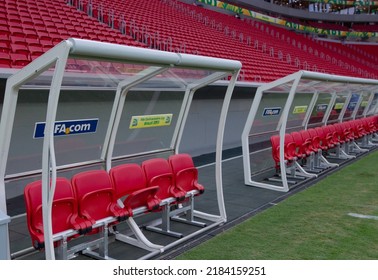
[(292, 25), (347, 2), (339, 106), (63, 128), (351, 105), (150, 121), (364, 103), (300, 109), (321, 107), (273, 111)]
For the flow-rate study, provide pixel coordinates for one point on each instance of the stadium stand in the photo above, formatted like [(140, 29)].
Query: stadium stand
[(267, 52)]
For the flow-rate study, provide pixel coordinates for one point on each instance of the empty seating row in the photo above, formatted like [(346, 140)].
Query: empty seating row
[(306, 151), (95, 201), (139, 25), (26, 33)]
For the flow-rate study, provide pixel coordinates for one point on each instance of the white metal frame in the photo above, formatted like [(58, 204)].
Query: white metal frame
[(295, 78), (84, 49)]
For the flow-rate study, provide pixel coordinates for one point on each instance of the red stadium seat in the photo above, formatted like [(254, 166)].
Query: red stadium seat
[(64, 212), (186, 174), (290, 149), (130, 184), (159, 173), (186, 178), (96, 196), (304, 146)]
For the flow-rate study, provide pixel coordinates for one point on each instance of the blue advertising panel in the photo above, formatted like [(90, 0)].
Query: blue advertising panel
[(64, 128)]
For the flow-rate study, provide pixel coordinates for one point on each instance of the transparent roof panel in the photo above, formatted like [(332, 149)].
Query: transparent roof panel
[(298, 110), (337, 107), (155, 85), (320, 108), (325, 86), (148, 121), (364, 103), (351, 106), (108, 74), (315, 82), (373, 105)]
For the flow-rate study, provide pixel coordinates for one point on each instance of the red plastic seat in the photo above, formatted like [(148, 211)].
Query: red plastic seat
[(290, 149), (348, 126), (96, 196), (19, 59), (315, 139), (130, 183), (346, 131), (311, 146), (5, 61), (64, 211), (159, 173), (186, 174), (361, 128), (303, 147), (337, 138), (356, 128), (374, 123), (342, 132), (330, 136)]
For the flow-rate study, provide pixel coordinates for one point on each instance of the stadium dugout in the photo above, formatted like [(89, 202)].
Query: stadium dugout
[(321, 120), (140, 133)]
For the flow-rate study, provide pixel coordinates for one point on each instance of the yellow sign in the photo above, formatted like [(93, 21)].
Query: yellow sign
[(150, 121), (299, 109), (364, 103), (339, 106)]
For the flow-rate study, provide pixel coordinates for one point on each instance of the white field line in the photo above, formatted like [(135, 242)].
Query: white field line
[(363, 216)]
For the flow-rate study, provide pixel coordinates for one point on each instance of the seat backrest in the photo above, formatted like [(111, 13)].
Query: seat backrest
[(329, 134), (64, 209), (275, 141), (315, 138), (185, 173), (127, 178), (306, 136), (159, 173), (312, 132), (96, 195), (361, 126), (345, 128), (342, 133), (319, 130), (290, 147), (366, 122), (349, 127), (297, 137), (375, 121), (299, 141), (355, 128), (129, 182), (308, 142), (372, 123)]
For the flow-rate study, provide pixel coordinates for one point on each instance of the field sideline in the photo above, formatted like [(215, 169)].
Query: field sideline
[(314, 224)]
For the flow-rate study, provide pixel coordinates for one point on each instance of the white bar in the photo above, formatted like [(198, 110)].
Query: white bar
[(95, 49)]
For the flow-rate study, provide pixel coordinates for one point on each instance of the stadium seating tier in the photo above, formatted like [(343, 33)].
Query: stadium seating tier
[(267, 52)]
